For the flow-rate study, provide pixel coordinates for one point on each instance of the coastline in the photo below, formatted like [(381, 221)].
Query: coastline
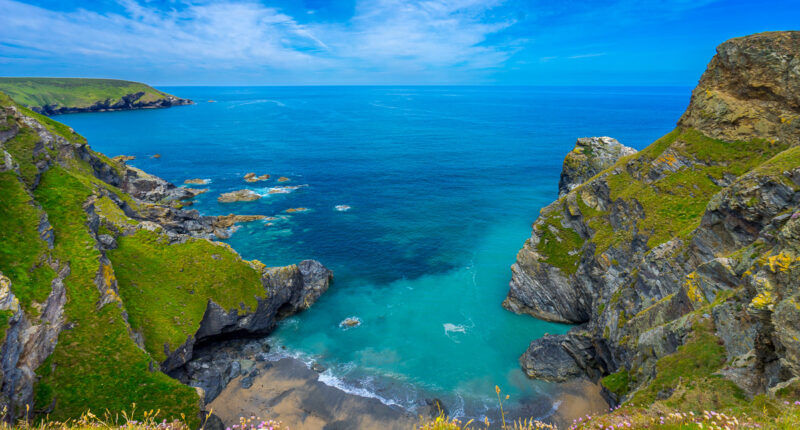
[(289, 391)]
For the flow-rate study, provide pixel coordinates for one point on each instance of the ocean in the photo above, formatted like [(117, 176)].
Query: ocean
[(442, 185)]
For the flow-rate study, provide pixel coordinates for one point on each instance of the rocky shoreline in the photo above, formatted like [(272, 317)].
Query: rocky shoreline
[(127, 102), (691, 241)]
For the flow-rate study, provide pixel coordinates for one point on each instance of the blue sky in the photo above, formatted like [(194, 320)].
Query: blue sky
[(302, 42)]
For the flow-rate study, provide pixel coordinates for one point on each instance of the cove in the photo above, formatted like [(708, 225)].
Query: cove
[(442, 183)]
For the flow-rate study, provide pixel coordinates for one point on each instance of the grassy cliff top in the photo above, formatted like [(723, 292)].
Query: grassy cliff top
[(74, 92)]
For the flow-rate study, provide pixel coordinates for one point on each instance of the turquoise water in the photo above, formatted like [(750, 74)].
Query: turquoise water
[(443, 184)]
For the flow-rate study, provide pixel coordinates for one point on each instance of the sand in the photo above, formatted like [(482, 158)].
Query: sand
[(288, 391)]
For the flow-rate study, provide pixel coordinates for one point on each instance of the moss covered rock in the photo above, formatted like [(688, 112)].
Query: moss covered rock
[(681, 261)]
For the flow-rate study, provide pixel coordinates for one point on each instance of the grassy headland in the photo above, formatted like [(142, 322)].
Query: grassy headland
[(64, 95)]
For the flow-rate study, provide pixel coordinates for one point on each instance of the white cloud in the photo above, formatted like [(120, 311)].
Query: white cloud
[(383, 35)]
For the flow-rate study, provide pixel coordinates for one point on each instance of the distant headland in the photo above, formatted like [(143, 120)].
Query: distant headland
[(53, 96)]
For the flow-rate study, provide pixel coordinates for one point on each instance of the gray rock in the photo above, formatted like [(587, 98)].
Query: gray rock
[(590, 260), (107, 242), (547, 359), (590, 156)]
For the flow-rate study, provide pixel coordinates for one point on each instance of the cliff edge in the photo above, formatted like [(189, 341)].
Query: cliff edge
[(53, 96), (680, 264), (106, 285)]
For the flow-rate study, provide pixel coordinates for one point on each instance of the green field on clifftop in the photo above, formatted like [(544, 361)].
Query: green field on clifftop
[(74, 92)]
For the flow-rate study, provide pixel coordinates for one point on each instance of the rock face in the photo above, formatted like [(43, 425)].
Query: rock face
[(71, 215), (751, 90), (290, 289), (698, 232), (591, 156), (126, 102)]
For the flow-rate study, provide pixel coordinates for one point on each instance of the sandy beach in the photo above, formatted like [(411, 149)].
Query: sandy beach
[(288, 391)]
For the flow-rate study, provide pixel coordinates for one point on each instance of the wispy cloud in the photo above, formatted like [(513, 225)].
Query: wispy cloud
[(382, 34), (579, 56)]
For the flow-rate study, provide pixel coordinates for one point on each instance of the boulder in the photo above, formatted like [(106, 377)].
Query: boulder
[(238, 196), (590, 156)]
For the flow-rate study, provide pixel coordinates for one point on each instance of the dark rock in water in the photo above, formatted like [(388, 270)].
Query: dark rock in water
[(547, 359), (436, 408), (590, 156), (318, 367)]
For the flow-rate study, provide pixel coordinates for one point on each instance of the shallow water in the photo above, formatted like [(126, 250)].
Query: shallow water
[(442, 183)]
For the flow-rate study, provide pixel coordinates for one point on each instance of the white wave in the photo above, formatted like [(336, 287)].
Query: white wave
[(454, 328), (259, 101), (342, 208), (450, 329), (329, 379), (264, 192)]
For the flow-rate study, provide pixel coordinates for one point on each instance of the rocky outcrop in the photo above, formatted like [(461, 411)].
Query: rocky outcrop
[(750, 90), (76, 209), (238, 196), (126, 102), (252, 177), (590, 156), (697, 230), (217, 361)]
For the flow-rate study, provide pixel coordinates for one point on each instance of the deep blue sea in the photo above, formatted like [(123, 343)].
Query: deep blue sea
[(443, 184)]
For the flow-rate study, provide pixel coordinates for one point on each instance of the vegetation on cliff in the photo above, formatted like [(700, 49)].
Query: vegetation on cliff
[(64, 95), (101, 291), (681, 261)]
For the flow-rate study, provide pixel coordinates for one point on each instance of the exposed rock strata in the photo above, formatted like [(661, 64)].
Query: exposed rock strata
[(126, 102), (590, 156), (703, 225), (122, 201)]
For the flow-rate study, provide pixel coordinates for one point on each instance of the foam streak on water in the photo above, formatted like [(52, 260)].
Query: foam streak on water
[(444, 183)]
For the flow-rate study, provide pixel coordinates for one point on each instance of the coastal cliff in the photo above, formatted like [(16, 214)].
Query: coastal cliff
[(106, 285), (53, 96), (680, 264)]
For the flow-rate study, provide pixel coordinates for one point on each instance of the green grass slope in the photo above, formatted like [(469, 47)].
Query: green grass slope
[(78, 93), (162, 288)]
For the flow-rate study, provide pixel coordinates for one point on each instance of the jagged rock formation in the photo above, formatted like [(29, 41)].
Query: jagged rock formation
[(691, 246), (106, 284), (590, 156)]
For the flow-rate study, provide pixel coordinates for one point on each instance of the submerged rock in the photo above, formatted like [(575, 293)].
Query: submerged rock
[(283, 179), (294, 210), (197, 181), (350, 322), (238, 196)]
